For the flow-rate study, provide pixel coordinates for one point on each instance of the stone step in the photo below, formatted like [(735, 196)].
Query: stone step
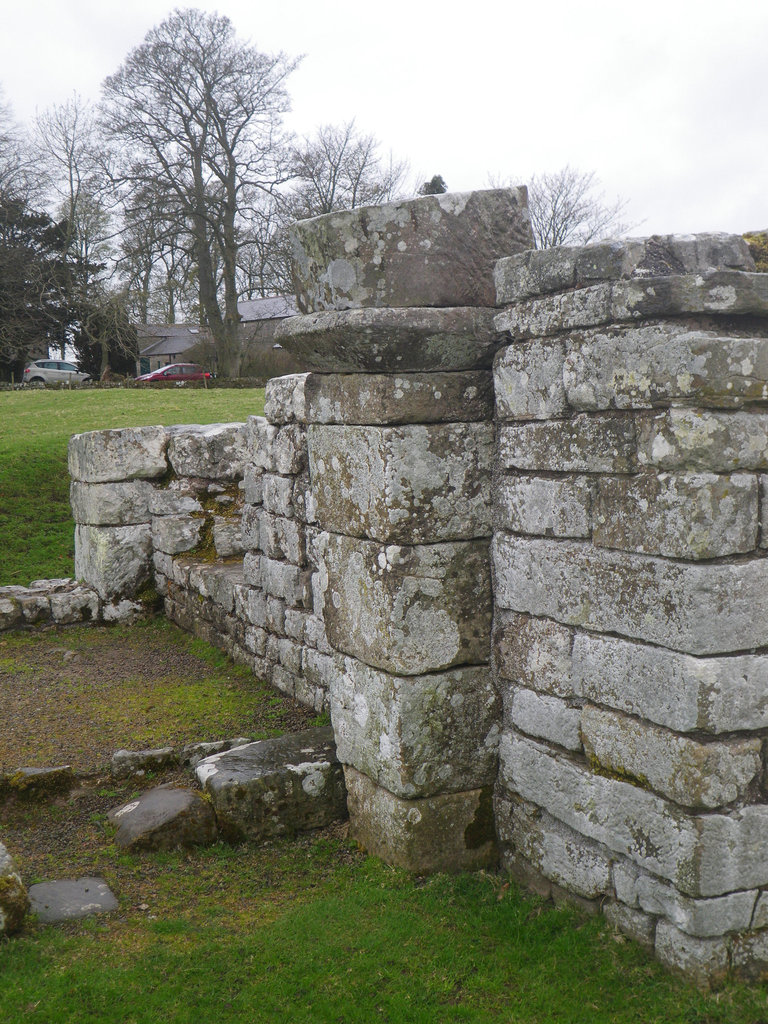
[(276, 787)]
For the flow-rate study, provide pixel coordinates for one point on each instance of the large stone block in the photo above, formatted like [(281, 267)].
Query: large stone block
[(584, 444), (121, 503), (694, 774), (417, 735), (704, 961), (381, 399), (550, 507), (174, 534), (115, 560), (535, 653), (449, 832), (102, 456), (640, 367), (694, 516), (282, 538), (284, 400), (561, 268), (711, 608), (393, 340), (731, 293), (720, 442), (559, 853), (276, 787), (683, 693), (433, 251), (216, 452), (435, 600), (528, 381), (403, 485)]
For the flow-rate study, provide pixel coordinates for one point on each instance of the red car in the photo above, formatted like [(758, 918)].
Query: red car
[(179, 372)]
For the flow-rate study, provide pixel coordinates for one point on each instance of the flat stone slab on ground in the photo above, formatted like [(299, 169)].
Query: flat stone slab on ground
[(276, 787), (68, 899), (39, 783), (163, 819)]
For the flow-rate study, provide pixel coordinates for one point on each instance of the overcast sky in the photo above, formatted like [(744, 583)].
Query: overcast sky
[(665, 100)]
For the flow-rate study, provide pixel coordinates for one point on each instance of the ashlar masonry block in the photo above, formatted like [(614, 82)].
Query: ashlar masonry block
[(434, 598), (403, 485)]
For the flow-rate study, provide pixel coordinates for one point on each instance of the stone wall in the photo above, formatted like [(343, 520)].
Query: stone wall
[(540, 630)]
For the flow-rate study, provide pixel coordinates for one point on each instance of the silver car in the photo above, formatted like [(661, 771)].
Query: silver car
[(53, 371)]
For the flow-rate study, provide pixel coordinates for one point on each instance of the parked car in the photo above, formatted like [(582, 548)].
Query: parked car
[(52, 371), (177, 372)]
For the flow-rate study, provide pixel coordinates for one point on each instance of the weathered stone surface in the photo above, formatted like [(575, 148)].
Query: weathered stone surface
[(285, 581), (70, 899), (433, 251), (720, 442), (10, 612), (193, 753), (704, 918), (435, 599), (449, 832), (560, 268), (403, 485), (561, 855), (276, 787), (535, 653), (112, 504), (725, 292), (696, 515), (253, 485), (635, 924), (381, 399), (284, 400), (101, 456), (704, 961), (164, 819), (749, 956), (138, 762), (115, 560), (174, 534), (181, 496), (528, 381), (546, 717), (217, 451), (699, 775), (417, 735), (704, 855), (227, 537), (654, 364), (559, 507), (675, 690), (13, 895), (282, 538), (77, 604), (277, 449), (392, 340), (40, 783), (216, 581), (278, 495), (584, 444), (717, 607)]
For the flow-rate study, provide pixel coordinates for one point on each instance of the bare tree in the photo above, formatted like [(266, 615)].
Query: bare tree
[(340, 168), (196, 114), (568, 208)]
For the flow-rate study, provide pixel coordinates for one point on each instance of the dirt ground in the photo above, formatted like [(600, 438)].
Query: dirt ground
[(62, 692)]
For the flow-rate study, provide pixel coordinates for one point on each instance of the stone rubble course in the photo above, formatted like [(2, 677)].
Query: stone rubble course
[(165, 818), (14, 902), (393, 340), (68, 900), (276, 787), (434, 251), (61, 601)]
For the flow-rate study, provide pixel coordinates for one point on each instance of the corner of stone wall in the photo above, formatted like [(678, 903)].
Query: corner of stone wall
[(631, 589)]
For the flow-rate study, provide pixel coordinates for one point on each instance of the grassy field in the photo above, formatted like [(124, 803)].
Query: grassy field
[(309, 932), (35, 425)]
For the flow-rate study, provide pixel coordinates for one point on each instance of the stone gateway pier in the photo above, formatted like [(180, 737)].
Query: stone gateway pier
[(509, 529)]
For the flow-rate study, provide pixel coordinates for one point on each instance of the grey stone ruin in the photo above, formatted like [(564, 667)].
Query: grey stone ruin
[(507, 527)]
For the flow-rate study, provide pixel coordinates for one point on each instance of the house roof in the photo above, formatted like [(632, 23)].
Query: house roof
[(271, 308), (173, 339)]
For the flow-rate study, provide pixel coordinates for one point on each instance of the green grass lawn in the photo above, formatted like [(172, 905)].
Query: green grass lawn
[(35, 425), (308, 932)]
